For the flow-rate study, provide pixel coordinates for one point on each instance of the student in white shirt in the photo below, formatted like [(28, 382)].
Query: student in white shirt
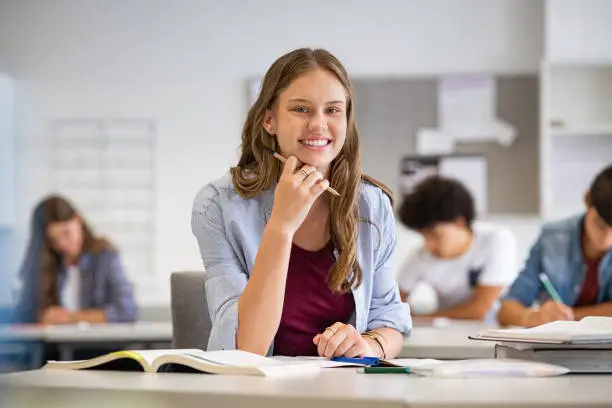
[(467, 265)]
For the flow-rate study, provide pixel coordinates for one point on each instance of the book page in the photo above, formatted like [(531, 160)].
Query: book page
[(560, 326), (234, 358), (150, 355), (596, 323), (413, 362)]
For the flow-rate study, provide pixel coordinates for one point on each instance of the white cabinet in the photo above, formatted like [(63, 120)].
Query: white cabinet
[(576, 133), (7, 152), (563, 29), (575, 102), (578, 30), (597, 22)]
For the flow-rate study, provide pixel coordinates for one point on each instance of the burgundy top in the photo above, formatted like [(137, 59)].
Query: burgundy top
[(309, 306), (590, 286)]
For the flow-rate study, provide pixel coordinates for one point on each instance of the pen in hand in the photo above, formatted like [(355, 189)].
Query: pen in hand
[(550, 288), (283, 160)]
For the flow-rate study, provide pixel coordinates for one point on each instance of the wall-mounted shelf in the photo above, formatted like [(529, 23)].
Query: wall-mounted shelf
[(582, 130)]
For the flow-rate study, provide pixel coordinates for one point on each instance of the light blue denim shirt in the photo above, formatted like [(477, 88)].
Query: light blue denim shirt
[(558, 253), (229, 227)]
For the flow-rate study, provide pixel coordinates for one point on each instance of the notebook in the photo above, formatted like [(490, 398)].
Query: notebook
[(592, 329), (575, 358), (234, 362)]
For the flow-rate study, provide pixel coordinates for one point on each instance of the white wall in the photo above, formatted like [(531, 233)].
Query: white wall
[(184, 64)]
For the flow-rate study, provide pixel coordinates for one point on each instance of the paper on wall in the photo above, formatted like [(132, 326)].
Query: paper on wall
[(434, 141), (466, 101), (467, 110)]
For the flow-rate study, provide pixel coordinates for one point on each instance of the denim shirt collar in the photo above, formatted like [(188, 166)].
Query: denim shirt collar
[(267, 201)]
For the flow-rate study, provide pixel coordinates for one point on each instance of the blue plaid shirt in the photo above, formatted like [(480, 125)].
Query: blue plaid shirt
[(229, 227)]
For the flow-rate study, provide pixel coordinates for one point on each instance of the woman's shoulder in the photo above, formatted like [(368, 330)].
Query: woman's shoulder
[(222, 195), (214, 189), (102, 255), (373, 200)]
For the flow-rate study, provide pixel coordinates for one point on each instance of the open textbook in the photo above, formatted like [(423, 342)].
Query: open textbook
[(195, 360), (589, 330), (238, 362)]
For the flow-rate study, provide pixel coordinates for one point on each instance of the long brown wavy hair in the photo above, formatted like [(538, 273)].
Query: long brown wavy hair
[(257, 170), (58, 209)]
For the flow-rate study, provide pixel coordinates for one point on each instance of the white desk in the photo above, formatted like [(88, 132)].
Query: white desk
[(449, 343), (334, 388), (21, 332), (70, 337), (120, 332)]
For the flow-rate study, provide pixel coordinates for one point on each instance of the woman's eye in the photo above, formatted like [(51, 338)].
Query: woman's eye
[(333, 110), (300, 109)]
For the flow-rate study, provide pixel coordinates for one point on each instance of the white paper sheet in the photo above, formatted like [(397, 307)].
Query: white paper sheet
[(434, 141)]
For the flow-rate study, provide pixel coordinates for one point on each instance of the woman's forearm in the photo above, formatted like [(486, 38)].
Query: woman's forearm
[(261, 303), (394, 341)]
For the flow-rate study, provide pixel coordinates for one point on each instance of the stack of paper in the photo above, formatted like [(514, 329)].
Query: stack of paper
[(582, 347)]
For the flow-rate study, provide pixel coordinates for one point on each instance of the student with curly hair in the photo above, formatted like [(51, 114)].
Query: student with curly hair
[(467, 265)]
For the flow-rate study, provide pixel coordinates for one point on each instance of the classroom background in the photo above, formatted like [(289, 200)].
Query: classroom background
[(130, 107)]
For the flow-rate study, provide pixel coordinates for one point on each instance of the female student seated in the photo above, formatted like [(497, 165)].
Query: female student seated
[(292, 269), (69, 275)]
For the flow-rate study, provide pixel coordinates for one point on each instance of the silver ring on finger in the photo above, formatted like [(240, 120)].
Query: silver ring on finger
[(306, 173)]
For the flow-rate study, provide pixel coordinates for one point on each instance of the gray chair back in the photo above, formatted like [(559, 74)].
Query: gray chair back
[(191, 322)]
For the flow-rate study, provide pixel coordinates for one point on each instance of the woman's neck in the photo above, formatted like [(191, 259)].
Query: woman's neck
[(314, 233), (71, 260)]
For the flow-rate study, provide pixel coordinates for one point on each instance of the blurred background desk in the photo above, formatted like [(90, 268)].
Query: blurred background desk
[(448, 343), (31, 340)]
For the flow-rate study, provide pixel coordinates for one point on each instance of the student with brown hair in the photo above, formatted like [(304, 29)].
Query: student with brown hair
[(70, 275), (292, 269)]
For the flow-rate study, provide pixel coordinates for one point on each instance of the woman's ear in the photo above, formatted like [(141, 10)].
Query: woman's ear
[(268, 122)]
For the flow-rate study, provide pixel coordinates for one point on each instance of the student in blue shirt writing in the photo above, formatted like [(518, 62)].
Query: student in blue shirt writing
[(290, 268), (575, 255), (70, 275)]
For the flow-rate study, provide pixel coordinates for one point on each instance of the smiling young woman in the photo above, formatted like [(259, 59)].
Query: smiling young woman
[(291, 269)]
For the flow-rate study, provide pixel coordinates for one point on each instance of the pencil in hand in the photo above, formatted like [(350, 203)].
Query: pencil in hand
[(550, 288), (283, 160)]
